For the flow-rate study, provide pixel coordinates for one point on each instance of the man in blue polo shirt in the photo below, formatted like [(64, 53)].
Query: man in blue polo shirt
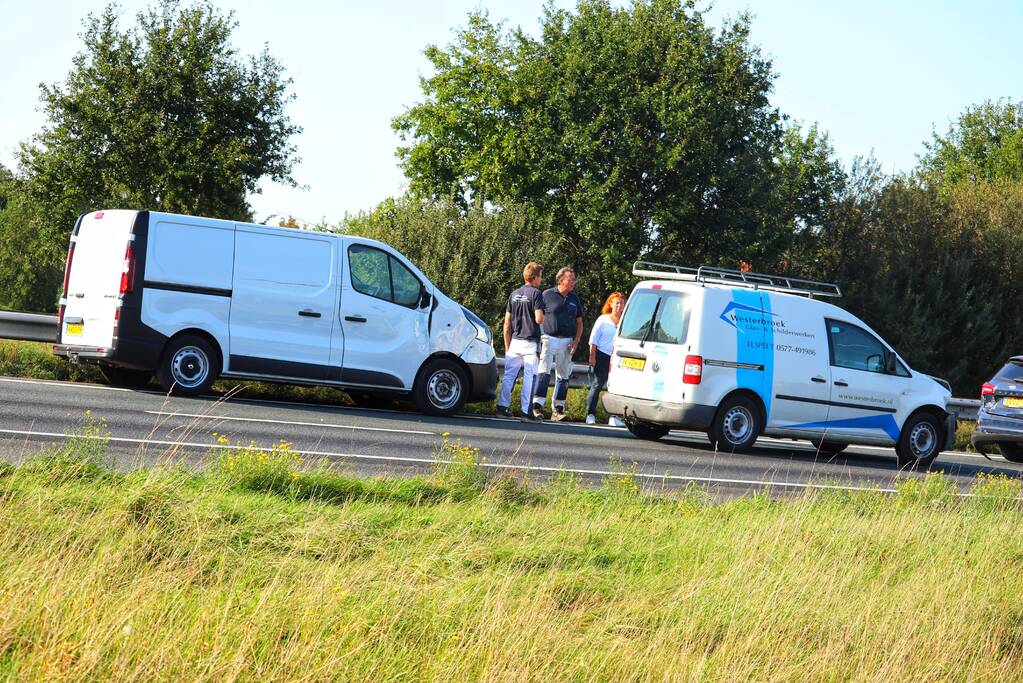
[(522, 318), (562, 328)]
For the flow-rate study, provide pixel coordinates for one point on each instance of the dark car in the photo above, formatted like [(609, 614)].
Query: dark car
[(1000, 418)]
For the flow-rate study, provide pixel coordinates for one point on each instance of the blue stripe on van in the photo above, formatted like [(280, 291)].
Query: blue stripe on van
[(768, 373), (747, 353), (885, 423)]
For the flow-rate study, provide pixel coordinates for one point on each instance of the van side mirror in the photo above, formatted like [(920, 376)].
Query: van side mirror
[(889, 363)]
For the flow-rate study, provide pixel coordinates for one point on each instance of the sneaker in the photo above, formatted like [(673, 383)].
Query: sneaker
[(591, 419), (528, 417), (536, 411), (616, 421), (502, 411), (558, 414)]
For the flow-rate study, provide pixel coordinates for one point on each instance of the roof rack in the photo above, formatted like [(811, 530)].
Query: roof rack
[(736, 278)]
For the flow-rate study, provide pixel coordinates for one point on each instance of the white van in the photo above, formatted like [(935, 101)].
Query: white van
[(191, 299), (743, 354)]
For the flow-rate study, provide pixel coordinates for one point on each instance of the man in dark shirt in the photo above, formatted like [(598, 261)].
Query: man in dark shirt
[(562, 328), (522, 319)]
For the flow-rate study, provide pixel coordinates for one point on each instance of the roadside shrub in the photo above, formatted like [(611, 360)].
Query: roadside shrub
[(82, 456), (996, 493), (964, 432), (459, 469), (934, 489), (263, 470)]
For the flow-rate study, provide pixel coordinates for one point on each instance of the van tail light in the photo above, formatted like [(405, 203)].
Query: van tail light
[(987, 389), (128, 272), (693, 372)]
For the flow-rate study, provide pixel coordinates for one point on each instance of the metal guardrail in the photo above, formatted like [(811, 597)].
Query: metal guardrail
[(964, 408), (28, 326), (43, 328)]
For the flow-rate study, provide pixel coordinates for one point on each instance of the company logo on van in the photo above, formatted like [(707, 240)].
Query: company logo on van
[(742, 316)]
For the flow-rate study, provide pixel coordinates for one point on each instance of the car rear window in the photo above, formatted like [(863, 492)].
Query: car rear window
[(661, 317), (1010, 372)]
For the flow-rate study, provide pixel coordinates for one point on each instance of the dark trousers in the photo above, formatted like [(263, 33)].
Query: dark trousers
[(599, 381)]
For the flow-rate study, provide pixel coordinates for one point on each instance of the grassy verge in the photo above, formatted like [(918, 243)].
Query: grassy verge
[(266, 568)]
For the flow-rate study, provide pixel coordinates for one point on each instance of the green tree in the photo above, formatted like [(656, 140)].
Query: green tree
[(911, 265), (984, 144), (475, 256), (162, 115), (638, 130)]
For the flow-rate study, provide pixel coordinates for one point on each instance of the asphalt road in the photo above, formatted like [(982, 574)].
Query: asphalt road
[(147, 427)]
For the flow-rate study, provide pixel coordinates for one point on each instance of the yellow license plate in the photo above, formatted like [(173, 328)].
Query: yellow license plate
[(632, 363), (1013, 402), (75, 328)]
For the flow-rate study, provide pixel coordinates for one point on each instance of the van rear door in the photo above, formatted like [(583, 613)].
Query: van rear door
[(98, 259), (649, 352)]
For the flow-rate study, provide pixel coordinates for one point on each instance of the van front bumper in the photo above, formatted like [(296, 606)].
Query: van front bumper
[(484, 380), (685, 415)]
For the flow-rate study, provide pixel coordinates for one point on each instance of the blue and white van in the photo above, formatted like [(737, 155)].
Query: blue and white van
[(190, 299), (743, 354)]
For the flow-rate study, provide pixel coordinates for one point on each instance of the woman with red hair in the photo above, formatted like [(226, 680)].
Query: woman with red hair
[(601, 340)]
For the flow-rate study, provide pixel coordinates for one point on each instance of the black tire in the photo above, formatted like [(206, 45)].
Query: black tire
[(125, 377), (828, 447), (736, 426), (189, 366), (920, 441), (366, 399), (646, 430), (441, 389), (1013, 452)]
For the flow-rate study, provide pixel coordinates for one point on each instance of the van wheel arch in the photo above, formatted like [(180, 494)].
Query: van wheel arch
[(753, 396), (903, 452), (442, 385), (447, 355), (197, 332), (738, 401), (187, 349)]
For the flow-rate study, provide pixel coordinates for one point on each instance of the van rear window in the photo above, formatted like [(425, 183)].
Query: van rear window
[(661, 317)]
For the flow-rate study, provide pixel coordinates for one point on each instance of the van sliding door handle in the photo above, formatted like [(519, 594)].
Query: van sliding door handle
[(840, 383), (355, 319), (819, 380), (309, 314)]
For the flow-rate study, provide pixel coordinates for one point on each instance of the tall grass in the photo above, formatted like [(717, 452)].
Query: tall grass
[(264, 567)]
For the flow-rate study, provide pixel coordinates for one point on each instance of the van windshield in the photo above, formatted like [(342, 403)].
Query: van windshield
[(671, 324)]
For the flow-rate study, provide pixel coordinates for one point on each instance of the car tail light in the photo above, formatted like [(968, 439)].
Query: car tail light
[(693, 372), (987, 389), (128, 272)]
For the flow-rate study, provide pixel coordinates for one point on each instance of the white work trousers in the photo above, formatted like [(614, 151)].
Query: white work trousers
[(521, 355)]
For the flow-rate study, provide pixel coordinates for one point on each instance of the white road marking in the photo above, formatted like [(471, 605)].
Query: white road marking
[(499, 466), (77, 385), (289, 422)]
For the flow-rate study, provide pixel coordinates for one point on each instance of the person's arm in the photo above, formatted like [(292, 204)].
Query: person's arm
[(507, 331), (538, 314), (593, 341), (578, 335)]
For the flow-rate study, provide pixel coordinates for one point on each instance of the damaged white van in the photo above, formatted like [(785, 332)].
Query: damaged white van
[(192, 299), (743, 354)]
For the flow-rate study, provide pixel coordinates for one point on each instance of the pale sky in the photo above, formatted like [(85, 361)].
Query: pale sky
[(877, 75)]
